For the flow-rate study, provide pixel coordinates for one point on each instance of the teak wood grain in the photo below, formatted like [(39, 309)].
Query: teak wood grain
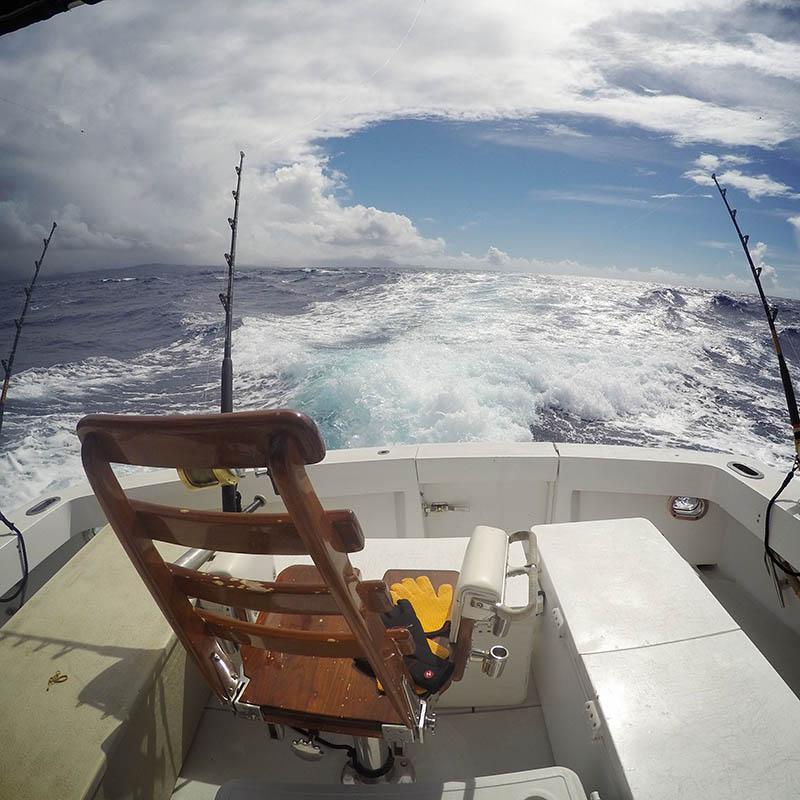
[(284, 441), (314, 691), (264, 534)]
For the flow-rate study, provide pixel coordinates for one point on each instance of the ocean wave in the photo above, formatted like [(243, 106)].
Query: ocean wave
[(664, 296), (727, 304), (390, 357), (790, 332)]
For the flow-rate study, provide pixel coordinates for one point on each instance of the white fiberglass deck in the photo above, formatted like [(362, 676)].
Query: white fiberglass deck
[(471, 743), (72, 625), (466, 745)]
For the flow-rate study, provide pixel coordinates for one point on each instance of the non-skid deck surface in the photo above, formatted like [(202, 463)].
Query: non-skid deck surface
[(465, 745), (778, 642)]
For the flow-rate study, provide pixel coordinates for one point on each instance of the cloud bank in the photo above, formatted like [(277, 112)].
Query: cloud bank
[(123, 121)]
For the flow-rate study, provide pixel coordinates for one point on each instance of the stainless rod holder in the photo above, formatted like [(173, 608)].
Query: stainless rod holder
[(493, 661)]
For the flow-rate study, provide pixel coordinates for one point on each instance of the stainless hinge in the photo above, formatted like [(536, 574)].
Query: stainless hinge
[(424, 720), (248, 710), (558, 621), (593, 718), (234, 686)]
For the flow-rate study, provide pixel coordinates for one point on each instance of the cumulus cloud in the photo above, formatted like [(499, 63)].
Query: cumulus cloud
[(795, 223), (756, 186), (711, 163), (132, 141), (495, 259), (74, 233), (769, 275), (14, 229), (302, 218)]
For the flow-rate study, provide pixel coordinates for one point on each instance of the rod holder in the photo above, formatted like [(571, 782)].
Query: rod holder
[(493, 661)]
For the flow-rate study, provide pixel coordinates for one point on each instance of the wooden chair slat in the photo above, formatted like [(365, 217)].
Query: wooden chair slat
[(256, 595), (282, 640), (202, 441), (261, 534)]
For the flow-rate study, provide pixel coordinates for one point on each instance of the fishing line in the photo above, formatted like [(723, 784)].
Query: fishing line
[(362, 85), (692, 191), (44, 112)]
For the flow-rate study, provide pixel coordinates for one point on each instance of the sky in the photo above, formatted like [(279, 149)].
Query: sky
[(553, 136)]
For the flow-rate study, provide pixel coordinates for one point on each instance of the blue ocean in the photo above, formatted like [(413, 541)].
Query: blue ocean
[(382, 356)]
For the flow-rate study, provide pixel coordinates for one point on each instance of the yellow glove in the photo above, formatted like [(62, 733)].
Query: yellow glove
[(432, 609)]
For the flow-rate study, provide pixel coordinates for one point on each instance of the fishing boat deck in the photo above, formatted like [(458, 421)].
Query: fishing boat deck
[(135, 699), (468, 743), (779, 643)]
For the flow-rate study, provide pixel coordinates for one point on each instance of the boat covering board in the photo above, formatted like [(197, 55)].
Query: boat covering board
[(687, 705), (123, 720)]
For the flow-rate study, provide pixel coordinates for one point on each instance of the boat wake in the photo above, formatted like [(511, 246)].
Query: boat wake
[(381, 357)]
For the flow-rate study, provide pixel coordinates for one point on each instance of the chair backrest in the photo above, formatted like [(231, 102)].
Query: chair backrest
[(284, 441)]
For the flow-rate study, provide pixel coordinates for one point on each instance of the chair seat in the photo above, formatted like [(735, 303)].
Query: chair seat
[(311, 692), (294, 689)]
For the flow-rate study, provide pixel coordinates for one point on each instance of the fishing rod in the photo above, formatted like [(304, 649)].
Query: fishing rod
[(771, 312), (8, 365), (229, 500)]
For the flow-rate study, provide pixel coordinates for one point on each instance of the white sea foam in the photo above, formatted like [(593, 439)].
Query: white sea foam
[(439, 357)]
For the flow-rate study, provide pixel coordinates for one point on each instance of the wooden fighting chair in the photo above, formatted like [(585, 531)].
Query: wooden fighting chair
[(297, 658)]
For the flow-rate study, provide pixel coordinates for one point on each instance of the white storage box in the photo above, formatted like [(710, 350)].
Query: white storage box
[(552, 783), (649, 688)]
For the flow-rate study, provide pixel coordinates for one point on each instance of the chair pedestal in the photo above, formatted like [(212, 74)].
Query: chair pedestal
[(375, 755)]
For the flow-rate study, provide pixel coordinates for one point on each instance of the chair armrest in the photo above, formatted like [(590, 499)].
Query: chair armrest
[(480, 594), (481, 582)]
